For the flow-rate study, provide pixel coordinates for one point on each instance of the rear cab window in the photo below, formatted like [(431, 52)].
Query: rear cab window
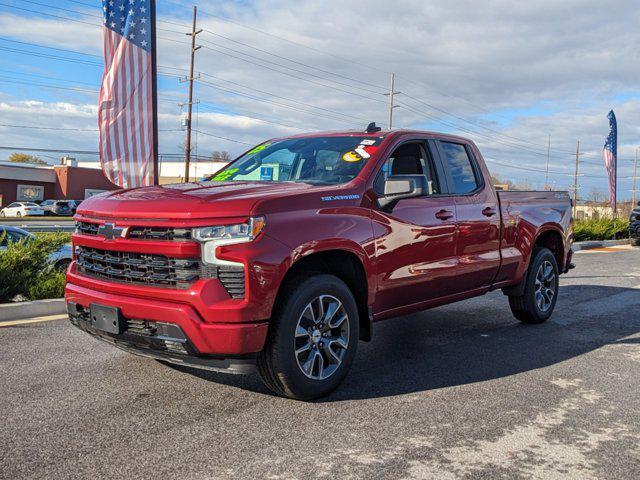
[(464, 177)]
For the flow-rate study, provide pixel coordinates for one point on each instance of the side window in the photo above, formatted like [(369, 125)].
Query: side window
[(461, 169), (409, 159)]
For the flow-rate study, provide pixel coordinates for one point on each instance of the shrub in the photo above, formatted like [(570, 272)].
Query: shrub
[(48, 286), (24, 265), (601, 229)]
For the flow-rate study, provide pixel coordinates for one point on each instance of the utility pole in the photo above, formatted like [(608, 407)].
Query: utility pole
[(546, 176), (194, 32), (575, 181), (635, 177), (391, 94)]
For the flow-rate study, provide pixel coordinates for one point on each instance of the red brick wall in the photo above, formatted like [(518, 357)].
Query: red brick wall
[(9, 189), (72, 182)]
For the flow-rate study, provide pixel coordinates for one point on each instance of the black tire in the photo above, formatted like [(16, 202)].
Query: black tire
[(61, 265), (525, 307), (635, 240), (2, 214), (18, 214), (278, 363)]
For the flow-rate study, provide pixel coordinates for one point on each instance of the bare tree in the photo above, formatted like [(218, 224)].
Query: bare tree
[(220, 156)]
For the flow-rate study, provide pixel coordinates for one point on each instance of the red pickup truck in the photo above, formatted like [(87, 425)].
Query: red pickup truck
[(286, 257)]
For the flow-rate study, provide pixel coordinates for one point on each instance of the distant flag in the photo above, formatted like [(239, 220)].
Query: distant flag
[(127, 108), (610, 156)]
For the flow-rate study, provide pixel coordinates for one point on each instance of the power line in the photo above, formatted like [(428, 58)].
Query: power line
[(70, 129), (206, 45), (77, 152), (224, 138), (242, 53)]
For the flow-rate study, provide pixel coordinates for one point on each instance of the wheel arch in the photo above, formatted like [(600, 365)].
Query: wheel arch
[(552, 239), (343, 263), (548, 236)]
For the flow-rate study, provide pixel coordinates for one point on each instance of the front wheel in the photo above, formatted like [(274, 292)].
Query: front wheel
[(540, 294), (312, 340), (18, 214)]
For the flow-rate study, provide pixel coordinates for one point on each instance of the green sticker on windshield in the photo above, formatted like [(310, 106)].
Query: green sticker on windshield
[(224, 175), (259, 148)]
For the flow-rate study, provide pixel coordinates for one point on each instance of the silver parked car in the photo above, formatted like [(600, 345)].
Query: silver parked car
[(60, 259)]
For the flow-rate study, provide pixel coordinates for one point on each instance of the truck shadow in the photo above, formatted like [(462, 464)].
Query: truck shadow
[(477, 340)]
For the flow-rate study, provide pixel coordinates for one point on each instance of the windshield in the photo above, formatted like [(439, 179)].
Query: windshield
[(315, 160)]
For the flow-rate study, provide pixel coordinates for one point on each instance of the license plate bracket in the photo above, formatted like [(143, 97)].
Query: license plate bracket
[(106, 319)]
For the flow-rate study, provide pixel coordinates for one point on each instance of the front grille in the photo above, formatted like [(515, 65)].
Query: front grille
[(142, 233), (156, 270), (87, 228), (232, 278), (160, 233), (138, 268)]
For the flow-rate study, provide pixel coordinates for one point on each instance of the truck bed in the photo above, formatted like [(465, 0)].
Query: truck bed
[(524, 215)]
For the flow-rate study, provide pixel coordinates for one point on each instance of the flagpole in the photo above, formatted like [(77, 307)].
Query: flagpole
[(154, 92)]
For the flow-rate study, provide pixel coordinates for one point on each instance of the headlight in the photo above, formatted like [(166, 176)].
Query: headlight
[(241, 232), (216, 236)]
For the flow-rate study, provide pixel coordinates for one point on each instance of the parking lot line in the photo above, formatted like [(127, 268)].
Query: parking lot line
[(49, 318)]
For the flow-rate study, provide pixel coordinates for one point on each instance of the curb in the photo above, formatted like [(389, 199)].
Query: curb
[(577, 246), (38, 308)]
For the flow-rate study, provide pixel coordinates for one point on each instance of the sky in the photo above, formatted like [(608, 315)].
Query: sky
[(510, 75)]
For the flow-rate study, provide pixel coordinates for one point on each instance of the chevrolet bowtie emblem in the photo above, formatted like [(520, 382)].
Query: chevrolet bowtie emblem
[(110, 232)]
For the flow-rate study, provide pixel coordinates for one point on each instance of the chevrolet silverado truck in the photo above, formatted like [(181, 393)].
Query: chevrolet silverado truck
[(289, 255)]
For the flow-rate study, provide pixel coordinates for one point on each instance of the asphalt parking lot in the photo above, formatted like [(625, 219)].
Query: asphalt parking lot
[(462, 391)]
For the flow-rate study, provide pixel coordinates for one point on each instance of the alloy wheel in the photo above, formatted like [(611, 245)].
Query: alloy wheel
[(545, 287), (322, 337)]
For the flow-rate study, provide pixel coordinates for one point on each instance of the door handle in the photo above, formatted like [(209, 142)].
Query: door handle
[(444, 215), (489, 212)]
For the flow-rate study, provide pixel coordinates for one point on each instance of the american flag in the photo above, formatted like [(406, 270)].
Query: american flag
[(610, 155), (126, 106)]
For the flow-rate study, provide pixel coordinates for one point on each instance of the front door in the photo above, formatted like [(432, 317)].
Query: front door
[(416, 237)]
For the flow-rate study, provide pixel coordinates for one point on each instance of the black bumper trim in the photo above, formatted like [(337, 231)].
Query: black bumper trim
[(154, 346)]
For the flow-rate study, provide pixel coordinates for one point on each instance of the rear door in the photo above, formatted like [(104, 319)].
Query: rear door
[(477, 215), (415, 238)]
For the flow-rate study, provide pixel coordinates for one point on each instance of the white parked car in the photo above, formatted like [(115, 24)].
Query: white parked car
[(21, 209)]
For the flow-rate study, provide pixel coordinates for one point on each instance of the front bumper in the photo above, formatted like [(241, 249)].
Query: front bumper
[(202, 340)]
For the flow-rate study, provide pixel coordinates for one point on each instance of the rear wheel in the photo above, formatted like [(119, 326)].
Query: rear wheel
[(540, 293), (2, 214), (312, 339), (18, 214)]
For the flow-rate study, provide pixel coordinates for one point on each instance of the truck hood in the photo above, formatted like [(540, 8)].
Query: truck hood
[(189, 200)]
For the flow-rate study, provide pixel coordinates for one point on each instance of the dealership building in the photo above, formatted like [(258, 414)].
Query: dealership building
[(34, 183), (72, 180)]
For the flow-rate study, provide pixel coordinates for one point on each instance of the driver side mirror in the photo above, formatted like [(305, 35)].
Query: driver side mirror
[(398, 187)]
